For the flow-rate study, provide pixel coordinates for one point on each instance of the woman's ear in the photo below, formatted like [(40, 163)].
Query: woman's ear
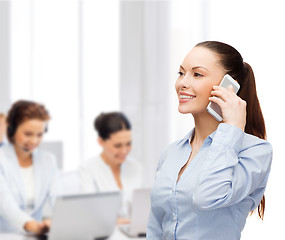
[(100, 141)]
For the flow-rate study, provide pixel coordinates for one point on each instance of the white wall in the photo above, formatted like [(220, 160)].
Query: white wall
[(65, 54), (144, 78), (4, 55)]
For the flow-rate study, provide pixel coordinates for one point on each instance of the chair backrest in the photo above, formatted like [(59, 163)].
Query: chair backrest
[(55, 147), (69, 183)]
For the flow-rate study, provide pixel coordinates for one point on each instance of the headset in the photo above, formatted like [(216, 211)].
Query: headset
[(12, 124)]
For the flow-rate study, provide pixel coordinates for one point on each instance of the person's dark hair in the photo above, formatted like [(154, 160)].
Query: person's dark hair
[(21, 111), (242, 72), (108, 123)]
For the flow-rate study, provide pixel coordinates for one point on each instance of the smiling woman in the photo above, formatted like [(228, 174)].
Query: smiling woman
[(208, 182), (26, 173), (113, 169)]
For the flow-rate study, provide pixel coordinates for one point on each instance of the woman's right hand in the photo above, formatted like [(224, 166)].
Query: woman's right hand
[(233, 107), (36, 227)]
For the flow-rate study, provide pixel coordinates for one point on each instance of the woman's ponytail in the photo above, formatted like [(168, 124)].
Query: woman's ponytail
[(255, 124), (234, 65), (254, 119)]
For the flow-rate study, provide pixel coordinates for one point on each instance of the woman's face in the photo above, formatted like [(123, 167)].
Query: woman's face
[(117, 146), (198, 73), (29, 135)]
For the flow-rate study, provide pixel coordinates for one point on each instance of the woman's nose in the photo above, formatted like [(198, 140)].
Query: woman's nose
[(124, 150), (34, 140), (185, 82)]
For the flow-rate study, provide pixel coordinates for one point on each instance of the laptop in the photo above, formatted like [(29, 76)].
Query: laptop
[(85, 217), (140, 208)]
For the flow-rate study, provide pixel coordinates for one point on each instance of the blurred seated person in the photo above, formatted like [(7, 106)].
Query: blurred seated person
[(113, 170), (26, 173), (2, 128)]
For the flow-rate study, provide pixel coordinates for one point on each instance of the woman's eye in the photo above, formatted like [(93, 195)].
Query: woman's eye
[(181, 73), (28, 134), (197, 74)]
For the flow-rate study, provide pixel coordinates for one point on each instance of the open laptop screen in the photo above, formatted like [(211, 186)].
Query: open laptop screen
[(87, 216)]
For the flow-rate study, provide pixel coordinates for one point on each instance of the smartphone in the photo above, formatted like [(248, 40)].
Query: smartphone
[(213, 108)]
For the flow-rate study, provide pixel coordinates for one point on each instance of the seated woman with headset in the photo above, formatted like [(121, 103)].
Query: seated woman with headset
[(113, 170), (26, 173)]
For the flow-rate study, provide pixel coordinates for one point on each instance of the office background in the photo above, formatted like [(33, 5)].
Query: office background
[(84, 57)]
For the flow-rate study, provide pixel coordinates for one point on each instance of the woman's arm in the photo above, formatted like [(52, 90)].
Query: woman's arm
[(154, 227), (9, 209), (154, 230), (231, 171)]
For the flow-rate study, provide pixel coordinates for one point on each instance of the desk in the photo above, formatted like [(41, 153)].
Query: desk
[(118, 235)]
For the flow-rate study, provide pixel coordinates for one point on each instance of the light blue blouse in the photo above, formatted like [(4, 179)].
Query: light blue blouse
[(215, 193)]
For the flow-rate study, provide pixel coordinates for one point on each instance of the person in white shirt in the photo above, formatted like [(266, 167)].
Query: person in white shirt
[(112, 170), (26, 173)]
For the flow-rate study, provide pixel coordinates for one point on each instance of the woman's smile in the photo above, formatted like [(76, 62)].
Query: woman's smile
[(185, 97)]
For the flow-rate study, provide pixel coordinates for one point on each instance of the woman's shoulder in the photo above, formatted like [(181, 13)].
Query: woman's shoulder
[(173, 148), (177, 143), (2, 151), (257, 148), (250, 140), (6, 153), (243, 142), (93, 161), (6, 148), (94, 165)]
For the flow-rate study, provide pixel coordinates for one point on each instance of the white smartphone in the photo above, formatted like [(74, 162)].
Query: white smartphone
[(213, 108)]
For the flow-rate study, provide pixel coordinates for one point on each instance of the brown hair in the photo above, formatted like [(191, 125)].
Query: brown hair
[(21, 111), (242, 72), (108, 123)]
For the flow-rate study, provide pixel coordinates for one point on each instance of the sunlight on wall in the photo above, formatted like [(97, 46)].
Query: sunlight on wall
[(64, 57)]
